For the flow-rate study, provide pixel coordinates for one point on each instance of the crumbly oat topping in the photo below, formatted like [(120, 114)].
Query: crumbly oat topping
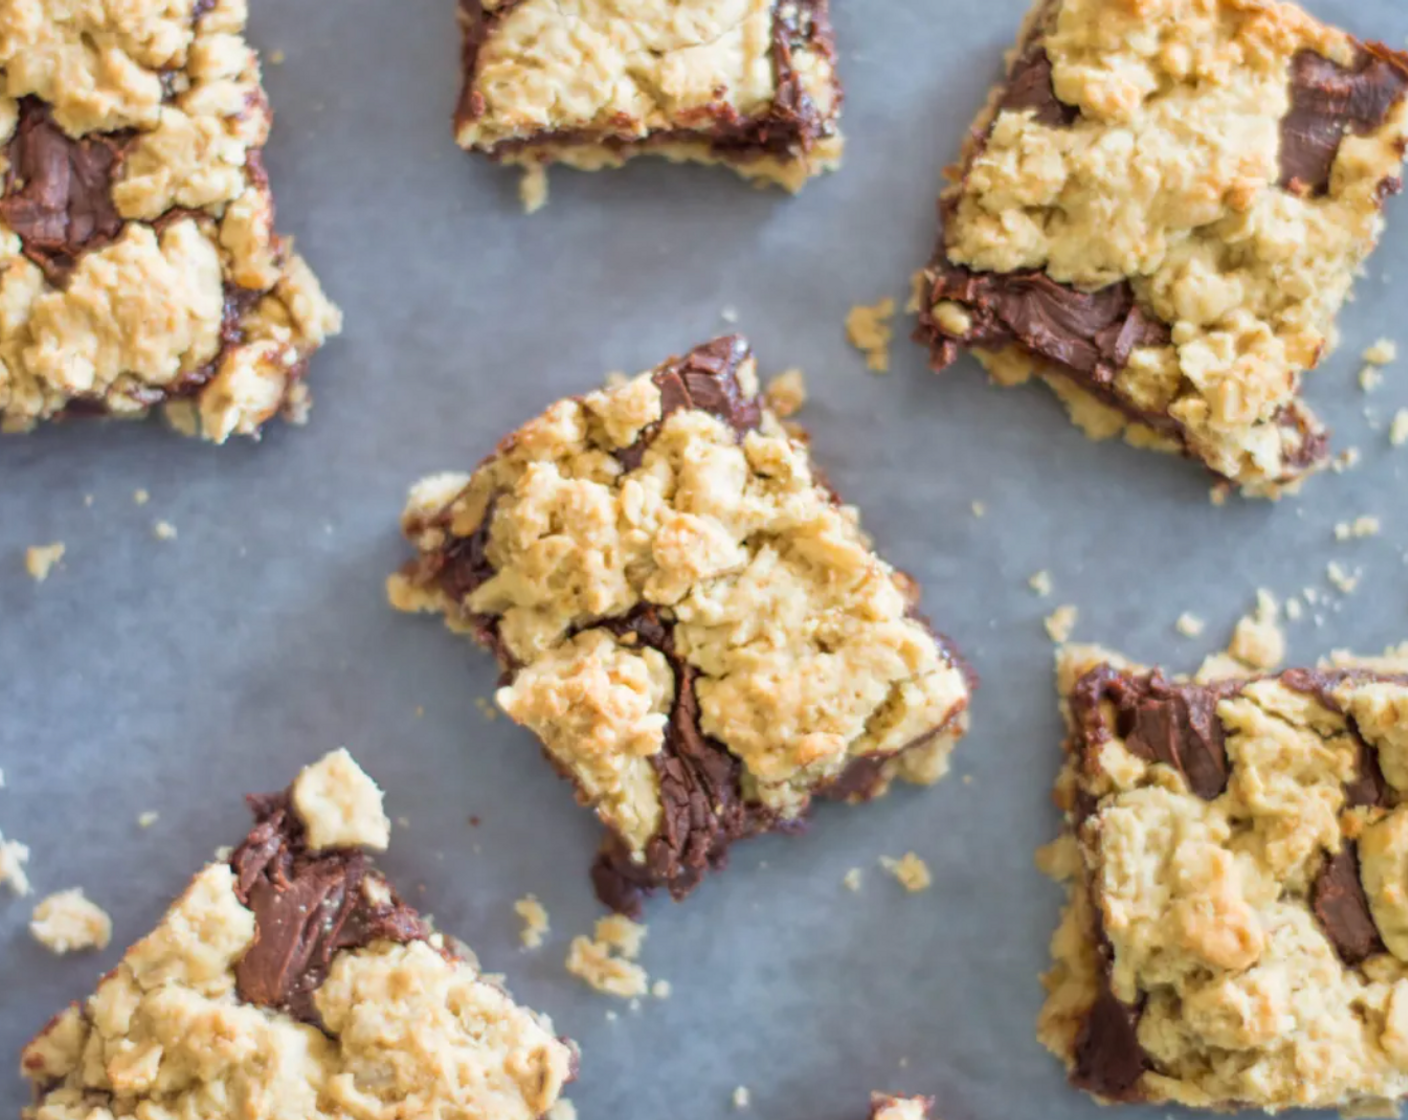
[(799, 644), (40, 559), (138, 262), (909, 870), (582, 81), (406, 1029), (339, 805), (535, 921), (69, 922), (1060, 622), (868, 330), (1238, 849), (13, 857), (1157, 165), (786, 394), (606, 960)]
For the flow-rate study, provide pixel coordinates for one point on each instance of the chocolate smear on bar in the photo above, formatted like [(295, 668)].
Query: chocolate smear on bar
[(1337, 898)]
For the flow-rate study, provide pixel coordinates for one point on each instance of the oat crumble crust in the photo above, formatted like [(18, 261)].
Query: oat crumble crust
[(139, 267), (1236, 933), (1161, 212), (697, 630), (885, 1107), (750, 84), (398, 1025)]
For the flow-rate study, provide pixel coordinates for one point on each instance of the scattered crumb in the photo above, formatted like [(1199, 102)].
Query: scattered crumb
[(634, 1005), (1257, 643), (615, 378), (533, 188), (910, 870), (562, 1109), (1293, 609), (88, 500), (1218, 494), (147, 819), (1345, 581), (141, 497), (851, 880), (729, 314), (1365, 526), (611, 1016), (2, 779), (277, 57), (787, 393), (68, 922), (979, 510), (39, 559), (606, 959), (1189, 625), (741, 1097), (1346, 460), (420, 711), (486, 708), (967, 779), (1398, 431), (13, 857), (1041, 582), (918, 289), (164, 531), (1370, 379), (535, 921), (868, 329), (1382, 352), (661, 989), (1061, 621), (403, 822)]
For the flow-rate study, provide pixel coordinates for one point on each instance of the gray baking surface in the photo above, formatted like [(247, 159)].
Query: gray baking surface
[(175, 675)]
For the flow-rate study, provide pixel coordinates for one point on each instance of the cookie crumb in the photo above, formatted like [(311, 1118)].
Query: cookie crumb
[(979, 510), (535, 921), (1060, 622), (68, 922), (1293, 609), (1382, 352), (141, 497), (13, 857), (1365, 526), (1189, 625), (1344, 580), (911, 871), (486, 708), (88, 500), (918, 289), (661, 989), (1370, 379), (533, 188), (1041, 583), (729, 314), (787, 393), (147, 819), (605, 960), (1217, 495), (277, 57), (39, 559), (852, 879), (868, 329), (741, 1098), (164, 531), (1398, 431), (1346, 460), (1257, 639)]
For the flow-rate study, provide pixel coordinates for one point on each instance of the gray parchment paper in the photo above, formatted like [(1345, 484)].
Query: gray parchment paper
[(174, 676)]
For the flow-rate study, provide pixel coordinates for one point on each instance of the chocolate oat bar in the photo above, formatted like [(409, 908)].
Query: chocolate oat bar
[(750, 84), (1237, 929), (1161, 211), (291, 980), (139, 267), (694, 626)]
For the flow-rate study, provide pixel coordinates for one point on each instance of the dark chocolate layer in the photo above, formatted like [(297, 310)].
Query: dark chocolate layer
[(791, 124), (1176, 724), (307, 906)]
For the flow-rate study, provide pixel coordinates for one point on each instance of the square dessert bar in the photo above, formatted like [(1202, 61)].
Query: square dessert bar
[(290, 980), (747, 83), (139, 267), (1160, 213), (1237, 929), (686, 616)]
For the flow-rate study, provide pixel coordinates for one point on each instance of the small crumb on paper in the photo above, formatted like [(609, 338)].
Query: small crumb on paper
[(535, 921), (868, 329), (918, 289), (911, 871), (1398, 431), (606, 960), (852, 879), (1370, 379), (1346, 460), (40, 559), (1257, 640), (277, 57), (147, 819), (741, 1098), (13, 857), (533, 188), (787, 393), (1189, 625), (661, 989), (68, 922), (979, 510), (486, 708), (1346, 581), (164, 531), (729, 314), (1294, 609), (1041, 582), (1382, 352), (1060, 622), (1365, 526), (141, 497)]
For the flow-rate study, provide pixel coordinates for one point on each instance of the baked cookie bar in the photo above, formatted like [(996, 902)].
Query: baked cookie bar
[(885, 1107), (1236, 934), (139, 267), (686, 616), (750, 84), (1160, 212), (290, 980)]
